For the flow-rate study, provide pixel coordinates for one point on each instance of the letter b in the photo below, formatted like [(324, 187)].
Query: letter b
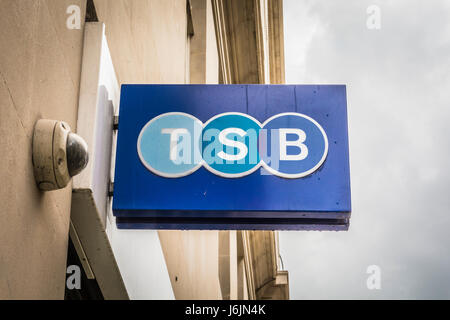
[(284, 143)]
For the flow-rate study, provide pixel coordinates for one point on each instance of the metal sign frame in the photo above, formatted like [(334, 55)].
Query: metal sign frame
[(260, 200)]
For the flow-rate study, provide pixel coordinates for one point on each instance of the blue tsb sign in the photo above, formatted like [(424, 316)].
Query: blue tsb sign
[(232, 157)]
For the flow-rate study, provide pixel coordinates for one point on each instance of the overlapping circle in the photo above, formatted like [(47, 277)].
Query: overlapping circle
[(232, 145)]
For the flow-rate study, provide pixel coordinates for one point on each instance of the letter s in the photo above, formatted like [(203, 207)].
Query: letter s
[(243, 150)]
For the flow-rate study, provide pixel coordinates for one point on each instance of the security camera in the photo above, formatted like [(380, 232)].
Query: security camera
[(58, 154)]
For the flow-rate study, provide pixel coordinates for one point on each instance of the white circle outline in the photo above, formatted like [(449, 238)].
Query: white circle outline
[(305, 173), (242, 174), (160, 173), (231, 175)]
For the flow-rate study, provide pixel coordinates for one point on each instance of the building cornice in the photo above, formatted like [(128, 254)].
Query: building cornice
[(250, 41), (276, 41), (250, 47)]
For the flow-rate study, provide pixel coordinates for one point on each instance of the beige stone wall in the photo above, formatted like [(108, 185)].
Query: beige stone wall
[(40, 68), (39, 78), (192, 259), (147, 39), (204, 60)]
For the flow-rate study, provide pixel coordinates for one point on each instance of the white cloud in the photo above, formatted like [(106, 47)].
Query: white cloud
[(398, 81)]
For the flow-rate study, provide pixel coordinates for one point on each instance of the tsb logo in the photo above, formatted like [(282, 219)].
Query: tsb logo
[(232, 145)]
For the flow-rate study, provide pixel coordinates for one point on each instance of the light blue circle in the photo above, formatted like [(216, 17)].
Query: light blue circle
[(154, 144)]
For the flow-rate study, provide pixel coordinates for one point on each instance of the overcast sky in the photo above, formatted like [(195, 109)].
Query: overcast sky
[(398, 91)]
